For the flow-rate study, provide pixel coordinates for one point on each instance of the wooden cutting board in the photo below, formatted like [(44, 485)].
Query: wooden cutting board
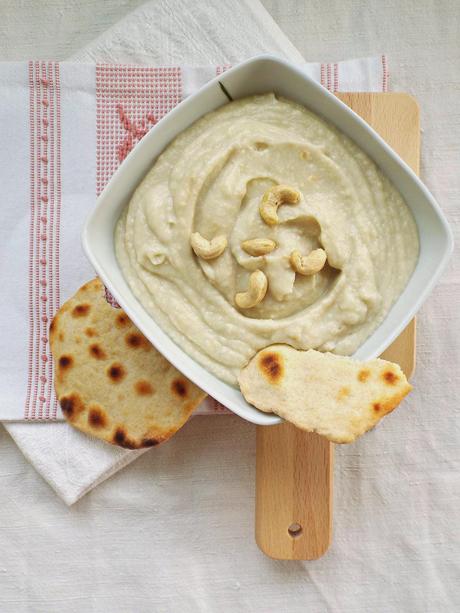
[(294, 469)]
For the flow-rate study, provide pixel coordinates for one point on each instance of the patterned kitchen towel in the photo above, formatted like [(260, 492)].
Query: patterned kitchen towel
[(66, 129)]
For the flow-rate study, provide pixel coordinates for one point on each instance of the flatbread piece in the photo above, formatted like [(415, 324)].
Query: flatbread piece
[(109, 379), (337, 397)]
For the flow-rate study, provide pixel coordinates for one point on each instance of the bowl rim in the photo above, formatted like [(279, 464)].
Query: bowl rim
[(178, 360)]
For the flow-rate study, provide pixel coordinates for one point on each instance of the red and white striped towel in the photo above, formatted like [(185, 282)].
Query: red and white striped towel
[(66, 128)]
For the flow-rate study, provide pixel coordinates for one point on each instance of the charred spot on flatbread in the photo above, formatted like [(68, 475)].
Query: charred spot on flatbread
[(72, 405), (121, 438), (136, 340), (121, 320), (81, 310), (144, 388), (116, 372), (271, 366), (96, 351), (390, 377), (97, 417), (150, 442), (65, 362), (179, 387)]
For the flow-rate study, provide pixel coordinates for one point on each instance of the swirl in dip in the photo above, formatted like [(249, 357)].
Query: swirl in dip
[(211, 180)]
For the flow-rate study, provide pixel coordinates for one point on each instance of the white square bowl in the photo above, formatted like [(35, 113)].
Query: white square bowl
[(261, 75)]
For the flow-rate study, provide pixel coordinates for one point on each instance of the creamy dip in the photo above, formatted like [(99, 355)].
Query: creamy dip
[(211, 180)]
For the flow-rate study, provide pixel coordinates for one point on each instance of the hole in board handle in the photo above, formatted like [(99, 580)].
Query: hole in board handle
[(295, 530)]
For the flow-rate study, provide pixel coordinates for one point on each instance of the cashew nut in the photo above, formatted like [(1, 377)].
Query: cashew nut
[(308, 264), (273, 198), (257, 289), (258, 246), (208, 250)]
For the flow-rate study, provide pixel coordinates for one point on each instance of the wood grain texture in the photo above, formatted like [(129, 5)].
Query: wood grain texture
[(293, 486), (294, 469)]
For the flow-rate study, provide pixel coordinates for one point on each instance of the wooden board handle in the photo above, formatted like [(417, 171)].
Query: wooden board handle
[(293, 493)]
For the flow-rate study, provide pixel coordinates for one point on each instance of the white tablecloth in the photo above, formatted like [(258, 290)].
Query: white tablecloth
[(174, 531)]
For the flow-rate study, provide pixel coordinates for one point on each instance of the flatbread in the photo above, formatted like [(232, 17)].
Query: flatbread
[(332, 395), (110, 381)]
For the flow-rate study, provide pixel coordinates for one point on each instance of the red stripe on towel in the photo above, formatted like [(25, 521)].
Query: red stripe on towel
[(336, 77), (45, 202), (39, 162), (322, 75), (385, 73), (31, 239)]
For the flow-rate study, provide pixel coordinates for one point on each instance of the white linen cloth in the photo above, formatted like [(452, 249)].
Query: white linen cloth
[(174, 530), (74, 95)]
